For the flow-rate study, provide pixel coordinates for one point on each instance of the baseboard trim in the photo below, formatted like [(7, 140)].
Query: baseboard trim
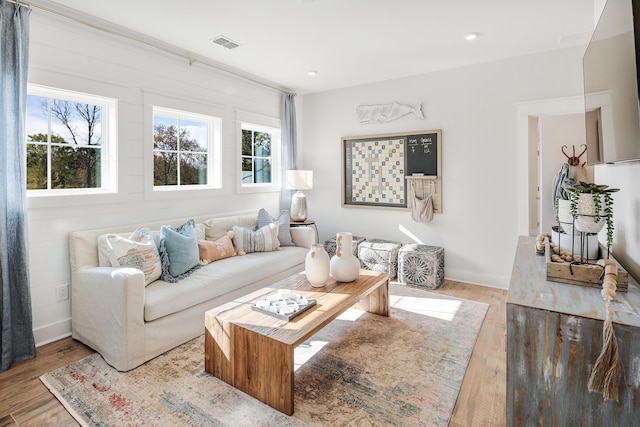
[(488, 280), (52, 332)]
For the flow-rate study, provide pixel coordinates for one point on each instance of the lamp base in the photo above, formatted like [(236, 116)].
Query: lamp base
[(298, 207)]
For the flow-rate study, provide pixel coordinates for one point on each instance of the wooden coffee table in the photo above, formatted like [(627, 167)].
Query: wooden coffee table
[(253, 351)]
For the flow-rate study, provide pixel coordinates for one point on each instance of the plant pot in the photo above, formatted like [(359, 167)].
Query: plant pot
[(564, 216), (567, 242), (586, 213)]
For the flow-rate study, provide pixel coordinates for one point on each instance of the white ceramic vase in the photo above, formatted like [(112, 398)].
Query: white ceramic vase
[(585, 214), (344, 266), (316, 265)]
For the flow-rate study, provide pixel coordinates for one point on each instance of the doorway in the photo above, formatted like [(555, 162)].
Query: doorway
[(539, 158)]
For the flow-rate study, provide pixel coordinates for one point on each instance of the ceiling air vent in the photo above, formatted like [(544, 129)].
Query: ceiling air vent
[(225, 42)]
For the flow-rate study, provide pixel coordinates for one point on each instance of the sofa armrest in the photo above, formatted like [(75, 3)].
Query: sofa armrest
[(303, 236), (107, 313)]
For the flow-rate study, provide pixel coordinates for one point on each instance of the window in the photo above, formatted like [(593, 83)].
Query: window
[(69, 142), (259, 144), (183, 144)]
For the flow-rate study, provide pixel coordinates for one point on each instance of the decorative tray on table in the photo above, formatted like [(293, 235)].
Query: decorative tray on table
[(284, 305)]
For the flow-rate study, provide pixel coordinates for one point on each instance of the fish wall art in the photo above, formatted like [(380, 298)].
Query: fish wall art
[(383, 113)]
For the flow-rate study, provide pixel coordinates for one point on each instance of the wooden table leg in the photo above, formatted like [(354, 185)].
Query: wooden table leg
[(253, 363), (377, 301), (264, 369)]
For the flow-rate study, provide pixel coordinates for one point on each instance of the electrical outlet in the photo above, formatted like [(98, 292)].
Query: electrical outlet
[(62, 292)]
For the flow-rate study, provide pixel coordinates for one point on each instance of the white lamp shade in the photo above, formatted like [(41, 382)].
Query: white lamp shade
[(299, 179)]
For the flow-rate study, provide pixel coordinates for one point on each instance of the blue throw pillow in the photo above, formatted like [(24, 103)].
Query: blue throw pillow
[(178, 251)]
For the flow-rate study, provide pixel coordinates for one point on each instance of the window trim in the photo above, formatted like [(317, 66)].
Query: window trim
[(259, 123), (190, 106), (109, 147), (213, 147)]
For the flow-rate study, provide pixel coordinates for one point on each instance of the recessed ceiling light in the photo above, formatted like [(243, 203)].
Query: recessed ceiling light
[(471, 36), (312, 72)]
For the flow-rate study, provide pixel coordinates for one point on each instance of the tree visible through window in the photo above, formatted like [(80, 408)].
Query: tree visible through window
[(64, 144), (256, 156), (180, 151)]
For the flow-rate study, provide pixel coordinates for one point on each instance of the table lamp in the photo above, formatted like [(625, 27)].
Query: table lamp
[(299, 180)]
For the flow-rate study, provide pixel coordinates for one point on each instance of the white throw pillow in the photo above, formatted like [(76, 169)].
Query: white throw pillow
[(263, 240), (138, 251), (283, 221)]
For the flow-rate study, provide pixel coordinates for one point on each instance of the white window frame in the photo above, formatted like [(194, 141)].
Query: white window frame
[(213, 148), (109, 146), (259, 123)]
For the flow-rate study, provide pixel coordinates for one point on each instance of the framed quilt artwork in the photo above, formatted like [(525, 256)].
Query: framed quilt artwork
[(374, 168)]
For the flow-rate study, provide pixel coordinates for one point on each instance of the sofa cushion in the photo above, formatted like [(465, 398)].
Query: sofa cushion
[(216, 279), (179, 251), (263, 240), (283, 221), (200, 230), (137, 251), (215, 228), (216, 250)]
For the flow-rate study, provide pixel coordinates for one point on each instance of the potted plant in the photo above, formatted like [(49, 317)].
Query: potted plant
[(592, 208), (563, 211)]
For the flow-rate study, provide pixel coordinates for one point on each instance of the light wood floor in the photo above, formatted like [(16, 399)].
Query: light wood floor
[(25, 401)]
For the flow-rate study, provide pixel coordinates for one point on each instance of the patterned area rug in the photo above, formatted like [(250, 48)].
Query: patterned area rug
[(360, 370)]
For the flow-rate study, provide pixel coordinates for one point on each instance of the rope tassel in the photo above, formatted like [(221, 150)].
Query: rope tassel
[(606, 371)]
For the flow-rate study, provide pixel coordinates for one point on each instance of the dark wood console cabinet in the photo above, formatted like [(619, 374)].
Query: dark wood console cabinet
[(554, 336)]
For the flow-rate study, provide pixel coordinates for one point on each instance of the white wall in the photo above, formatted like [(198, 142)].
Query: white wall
[(626, 212), (72, 56), (476, 109)]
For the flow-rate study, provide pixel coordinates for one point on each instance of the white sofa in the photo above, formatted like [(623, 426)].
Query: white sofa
[(128, 324)]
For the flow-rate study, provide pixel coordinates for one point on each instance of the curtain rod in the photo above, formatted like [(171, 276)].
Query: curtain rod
[(190, 61)]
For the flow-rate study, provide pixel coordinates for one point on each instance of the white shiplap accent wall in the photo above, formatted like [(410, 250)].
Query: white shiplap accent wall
[(72, 56)]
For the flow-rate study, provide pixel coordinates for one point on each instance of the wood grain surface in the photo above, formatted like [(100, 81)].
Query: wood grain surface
[(253, 351), (554, 337)]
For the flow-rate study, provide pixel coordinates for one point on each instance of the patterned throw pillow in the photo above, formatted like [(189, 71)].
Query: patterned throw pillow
[(219, 249), (283, 221), (179, 251), (138, 251), (264, 239)]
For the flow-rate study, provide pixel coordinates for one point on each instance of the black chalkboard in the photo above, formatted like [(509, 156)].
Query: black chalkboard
[(422, 154)]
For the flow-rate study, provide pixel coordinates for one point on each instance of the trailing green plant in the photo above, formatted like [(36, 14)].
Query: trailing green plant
[(597, 191)]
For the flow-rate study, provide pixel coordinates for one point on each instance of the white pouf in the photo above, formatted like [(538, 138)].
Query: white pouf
[(379, 255), (421, 265)]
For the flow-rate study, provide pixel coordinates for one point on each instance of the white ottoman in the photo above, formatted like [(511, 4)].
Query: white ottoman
[(421, 265), (379, 255)]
